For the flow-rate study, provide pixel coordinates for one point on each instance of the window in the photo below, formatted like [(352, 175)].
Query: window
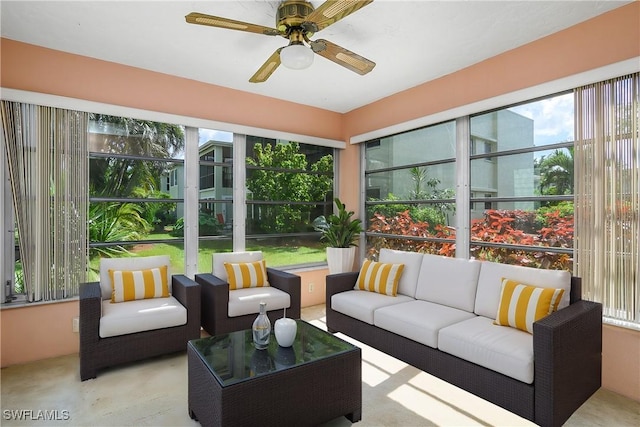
[(130, 211), (288, 185), (215, 195), (410, 187), (45, 235), (608, 196), (527, 188), (519, 169)]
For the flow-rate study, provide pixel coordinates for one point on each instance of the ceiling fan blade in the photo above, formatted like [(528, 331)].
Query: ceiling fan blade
[(330, 12), (341, 56), (267, 68), (216, 21)]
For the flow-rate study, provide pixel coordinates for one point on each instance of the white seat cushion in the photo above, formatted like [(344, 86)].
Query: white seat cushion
[(361, 304), (412, 262), (247, 300), (130, 263), (490, 284), (505, 350), (140, 315), (448, 281), (418, 320)]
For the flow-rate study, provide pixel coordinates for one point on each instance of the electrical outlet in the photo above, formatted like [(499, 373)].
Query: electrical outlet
[(310, 287), (75, 324)]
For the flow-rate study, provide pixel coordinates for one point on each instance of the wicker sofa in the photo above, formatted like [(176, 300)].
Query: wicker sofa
[(441, 321), (133, 336)]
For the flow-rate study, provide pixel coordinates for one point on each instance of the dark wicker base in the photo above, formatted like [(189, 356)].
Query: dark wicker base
[(215, 302), (305, 395), (567, 351), (97, 353)]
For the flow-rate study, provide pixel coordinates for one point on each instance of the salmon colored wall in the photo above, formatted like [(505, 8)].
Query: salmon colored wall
[(603, 40), (23, 67), (621, 361), (38, 332), (315, 294), (606, 39)]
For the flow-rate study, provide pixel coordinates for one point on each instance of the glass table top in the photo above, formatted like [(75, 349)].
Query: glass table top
[(232, 358)]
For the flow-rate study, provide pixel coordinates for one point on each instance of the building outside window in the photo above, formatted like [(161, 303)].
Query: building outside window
[(410, 187), (520, 178), (528, 190)]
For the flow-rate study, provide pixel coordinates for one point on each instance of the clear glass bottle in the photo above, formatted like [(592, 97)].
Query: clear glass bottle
[(261, 328)]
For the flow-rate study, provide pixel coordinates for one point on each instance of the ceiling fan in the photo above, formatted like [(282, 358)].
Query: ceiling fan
[(297, 21)]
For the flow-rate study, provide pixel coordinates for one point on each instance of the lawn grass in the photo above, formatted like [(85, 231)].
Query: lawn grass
[(276, 253)]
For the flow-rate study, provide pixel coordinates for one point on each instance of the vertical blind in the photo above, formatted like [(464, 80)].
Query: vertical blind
[(48, 169), (607, 196)]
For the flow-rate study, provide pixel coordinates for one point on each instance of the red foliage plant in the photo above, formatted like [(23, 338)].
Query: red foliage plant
[(510, 227)]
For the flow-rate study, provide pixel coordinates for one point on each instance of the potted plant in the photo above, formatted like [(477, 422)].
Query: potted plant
[(341, 233)]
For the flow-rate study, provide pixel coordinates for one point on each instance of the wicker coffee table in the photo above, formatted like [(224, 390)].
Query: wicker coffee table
[(316, 380)]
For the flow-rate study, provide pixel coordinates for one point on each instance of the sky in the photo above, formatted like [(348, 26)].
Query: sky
[(218, 135), (553, 118)]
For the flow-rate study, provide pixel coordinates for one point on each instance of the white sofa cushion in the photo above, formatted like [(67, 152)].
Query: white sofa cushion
[(490, 284), (361, 304), (448, 281), (247, 300), (418, 320), (505, 350), (140, 315), (412, 262), (233, 257), (130, 263)]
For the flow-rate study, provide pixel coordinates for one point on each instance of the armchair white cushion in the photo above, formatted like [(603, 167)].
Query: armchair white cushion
[(247, 300), (226, 310), (139, 315), (123, 332)]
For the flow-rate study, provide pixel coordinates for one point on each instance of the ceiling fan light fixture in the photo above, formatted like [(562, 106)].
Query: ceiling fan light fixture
[(296, 56)]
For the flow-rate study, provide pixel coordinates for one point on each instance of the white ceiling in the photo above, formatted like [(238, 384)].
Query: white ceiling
[(411, 42)]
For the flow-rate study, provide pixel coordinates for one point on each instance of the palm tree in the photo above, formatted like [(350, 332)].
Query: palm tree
[(121, 177), (556, 173)]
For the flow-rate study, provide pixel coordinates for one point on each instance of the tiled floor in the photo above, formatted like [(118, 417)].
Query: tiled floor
[(154, 393)]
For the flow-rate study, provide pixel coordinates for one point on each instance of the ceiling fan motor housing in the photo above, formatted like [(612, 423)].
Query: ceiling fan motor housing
[(292, 13)]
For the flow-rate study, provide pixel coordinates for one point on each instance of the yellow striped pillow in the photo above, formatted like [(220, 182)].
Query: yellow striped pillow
[(379, 277), (246, 274), (139, 284), (522, 305)]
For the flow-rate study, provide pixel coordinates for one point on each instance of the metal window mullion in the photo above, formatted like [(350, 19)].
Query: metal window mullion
[(526, 150), (407, 167), (463, 192), (191, 196), (99, 155), (239, 191)]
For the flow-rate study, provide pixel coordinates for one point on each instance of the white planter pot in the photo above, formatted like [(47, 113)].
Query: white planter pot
[(340, 260)]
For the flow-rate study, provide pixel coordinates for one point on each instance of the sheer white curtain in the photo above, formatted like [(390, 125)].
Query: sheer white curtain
[(607, 196), (49, 172)]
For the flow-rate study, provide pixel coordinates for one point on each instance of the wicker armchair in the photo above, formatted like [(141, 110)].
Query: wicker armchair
[(215, 314), (98, 352)]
